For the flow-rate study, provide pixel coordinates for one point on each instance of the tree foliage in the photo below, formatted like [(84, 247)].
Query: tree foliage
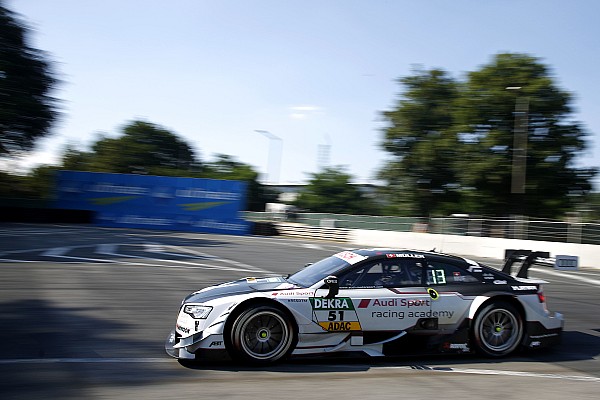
[(330, 191), (226, 167), (143, 148), (27, 110), (422, 146), (452, 143), (146, 148)]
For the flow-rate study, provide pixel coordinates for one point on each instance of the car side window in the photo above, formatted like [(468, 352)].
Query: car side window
[(442, 273), (384, 273), (363, 276)]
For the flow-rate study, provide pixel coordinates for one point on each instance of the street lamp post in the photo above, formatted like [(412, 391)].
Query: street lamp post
[(519, 158), (274, 157)]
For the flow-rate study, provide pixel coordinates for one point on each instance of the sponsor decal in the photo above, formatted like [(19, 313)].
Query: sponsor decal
[(341, 326), (297, 300), (206, 194), (172, 338), (182, 328), (388, 314), (196, 325), (456, 346), (350, 257), (524, 287), (118, 189), (395, 303), (201, 206), (216, 343), (336, 314), (411, 314), (292, 293), (337, 303), (535, 344), (499, 282), (433, 293), (404, 255)]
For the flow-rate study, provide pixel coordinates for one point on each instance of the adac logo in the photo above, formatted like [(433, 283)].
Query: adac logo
[(202, 205), (107, 201)]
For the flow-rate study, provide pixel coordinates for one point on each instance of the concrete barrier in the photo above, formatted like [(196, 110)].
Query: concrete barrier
[(312, 232), (589, 255)]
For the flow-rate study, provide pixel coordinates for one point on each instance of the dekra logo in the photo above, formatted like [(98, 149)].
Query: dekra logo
[(342, 303)]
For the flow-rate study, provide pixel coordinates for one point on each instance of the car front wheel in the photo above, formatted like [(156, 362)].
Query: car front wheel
[(261, 335), (498, 329)]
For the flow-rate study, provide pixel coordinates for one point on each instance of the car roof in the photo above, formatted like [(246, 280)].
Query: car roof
[(376, 253)]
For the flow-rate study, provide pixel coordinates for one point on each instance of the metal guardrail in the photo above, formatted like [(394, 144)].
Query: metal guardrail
[(571, 231), (312, 232)]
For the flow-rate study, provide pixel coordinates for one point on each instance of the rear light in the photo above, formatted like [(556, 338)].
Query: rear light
[(541, 297)]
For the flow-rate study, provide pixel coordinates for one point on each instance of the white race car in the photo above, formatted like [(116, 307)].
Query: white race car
[(379, 302)]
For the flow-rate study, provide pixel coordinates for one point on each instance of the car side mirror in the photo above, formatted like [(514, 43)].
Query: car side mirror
[(334, 286)]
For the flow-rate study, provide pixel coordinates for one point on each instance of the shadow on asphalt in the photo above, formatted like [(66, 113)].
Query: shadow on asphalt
[(55, 352), (575, 346)]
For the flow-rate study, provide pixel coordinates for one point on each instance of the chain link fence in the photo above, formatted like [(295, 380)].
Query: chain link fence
[(517, 227)]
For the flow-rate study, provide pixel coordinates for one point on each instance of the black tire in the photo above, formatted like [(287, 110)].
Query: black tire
[(261, 335), (498, 329)]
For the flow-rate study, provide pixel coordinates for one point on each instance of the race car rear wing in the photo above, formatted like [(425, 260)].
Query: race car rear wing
[(527, 257)]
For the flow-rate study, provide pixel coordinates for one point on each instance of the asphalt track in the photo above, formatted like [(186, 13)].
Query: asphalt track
[(84, 313)]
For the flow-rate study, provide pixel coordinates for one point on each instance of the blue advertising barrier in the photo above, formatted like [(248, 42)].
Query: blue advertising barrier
[(155, 202)]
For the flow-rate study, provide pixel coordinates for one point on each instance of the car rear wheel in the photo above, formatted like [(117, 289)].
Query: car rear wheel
[(261, 335), (498, 329)]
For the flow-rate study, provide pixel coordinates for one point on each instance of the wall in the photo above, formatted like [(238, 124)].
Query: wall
[(589, 255), (155, 202)]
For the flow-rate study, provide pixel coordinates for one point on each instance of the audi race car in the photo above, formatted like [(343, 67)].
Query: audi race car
[(378, 302)]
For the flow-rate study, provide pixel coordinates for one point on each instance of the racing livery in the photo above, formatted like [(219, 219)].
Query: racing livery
[(379, 302)]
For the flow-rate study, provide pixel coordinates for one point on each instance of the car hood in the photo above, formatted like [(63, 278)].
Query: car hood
[(242, 286)]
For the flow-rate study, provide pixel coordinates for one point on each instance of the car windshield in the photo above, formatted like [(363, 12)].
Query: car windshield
[(317, 272)]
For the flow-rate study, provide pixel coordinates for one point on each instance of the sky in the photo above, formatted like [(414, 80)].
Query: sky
[(289, 86)]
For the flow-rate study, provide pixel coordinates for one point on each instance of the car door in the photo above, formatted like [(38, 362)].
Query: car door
[(387, 293), (453, 288)]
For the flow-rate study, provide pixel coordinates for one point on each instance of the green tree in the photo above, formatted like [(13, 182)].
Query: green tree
[(330, 191), (486, 128), (144, 148), (452, 143), (226, 167), (419, 137), (76, 160), (27, 110), (148, 149)]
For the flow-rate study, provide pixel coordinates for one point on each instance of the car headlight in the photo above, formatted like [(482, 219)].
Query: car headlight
[(197, 312)]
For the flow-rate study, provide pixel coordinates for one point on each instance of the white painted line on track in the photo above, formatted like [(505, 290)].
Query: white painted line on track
[(312, 246), (36, 232), (84, 360), (567, 275), (238, 264), (517, 373), (451, 370), (57, 252), (106, 248)]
